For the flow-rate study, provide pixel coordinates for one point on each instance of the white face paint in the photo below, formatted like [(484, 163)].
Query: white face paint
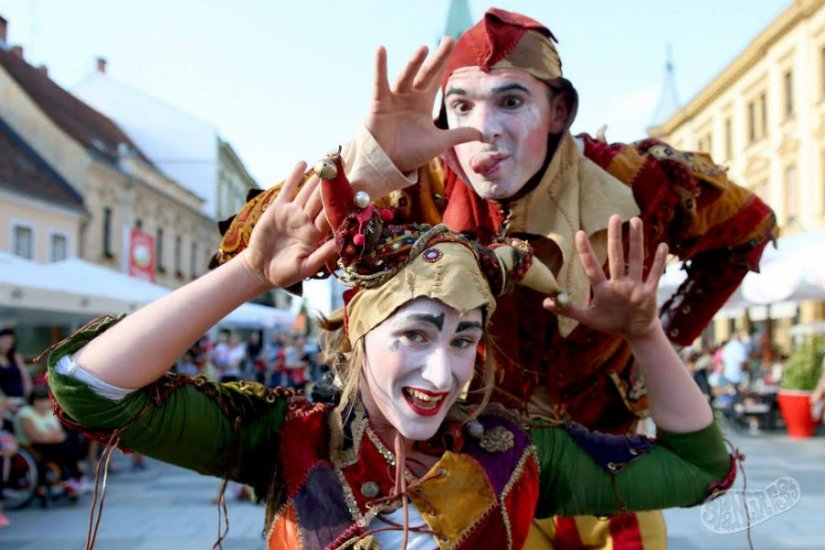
[(417, 362), (512, 110)]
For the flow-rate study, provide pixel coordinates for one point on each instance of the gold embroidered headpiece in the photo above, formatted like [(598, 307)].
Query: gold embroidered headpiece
[(387, 265)]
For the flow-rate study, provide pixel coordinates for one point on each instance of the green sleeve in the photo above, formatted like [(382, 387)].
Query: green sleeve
[(678, 471), (215, 429)]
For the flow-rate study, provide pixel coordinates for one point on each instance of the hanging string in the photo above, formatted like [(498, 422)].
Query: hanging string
[(223, 513), (96, 509), (401, 485)]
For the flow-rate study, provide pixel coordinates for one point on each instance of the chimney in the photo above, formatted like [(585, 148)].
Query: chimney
[(17, 51), (44, 70), (101, 65), (4, 28)]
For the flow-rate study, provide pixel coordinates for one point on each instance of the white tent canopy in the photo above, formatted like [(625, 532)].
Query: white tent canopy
[(791, 272), (79, 287)]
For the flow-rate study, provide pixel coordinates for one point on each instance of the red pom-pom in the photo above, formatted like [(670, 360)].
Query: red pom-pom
[(386, 214), (359, 239)]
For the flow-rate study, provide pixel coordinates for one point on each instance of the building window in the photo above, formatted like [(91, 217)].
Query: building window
[(23, 241), (791, 195), (822, 68), (193, 260), (58, 247), (107, 233), (763, 115), (757, 118), (787, 80), (728, 139), (178, 257), (159, 250)]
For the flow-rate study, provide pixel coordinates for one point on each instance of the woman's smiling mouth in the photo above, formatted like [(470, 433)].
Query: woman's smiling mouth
[(424, 402)]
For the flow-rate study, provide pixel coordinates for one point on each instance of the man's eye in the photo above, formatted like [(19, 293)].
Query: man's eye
[(512, 102), (460, 107)]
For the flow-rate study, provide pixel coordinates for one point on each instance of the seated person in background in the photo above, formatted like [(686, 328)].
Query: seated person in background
[(37, 427), (8, 447)]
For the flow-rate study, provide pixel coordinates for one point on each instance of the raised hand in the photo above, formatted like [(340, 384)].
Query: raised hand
[(285, 246), (624, 304), (400, 117)]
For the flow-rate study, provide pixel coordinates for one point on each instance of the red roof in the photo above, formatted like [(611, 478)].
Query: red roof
[(94, 130)]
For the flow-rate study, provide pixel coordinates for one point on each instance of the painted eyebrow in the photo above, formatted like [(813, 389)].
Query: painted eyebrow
[(454, 91), (437, 320), (495, 91), (467, 325), (509, 87)]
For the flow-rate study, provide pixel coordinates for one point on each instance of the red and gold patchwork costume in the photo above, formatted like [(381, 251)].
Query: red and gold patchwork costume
[(547, 365)]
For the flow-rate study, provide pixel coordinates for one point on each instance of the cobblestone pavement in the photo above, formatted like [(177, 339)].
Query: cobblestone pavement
[(166, 507)]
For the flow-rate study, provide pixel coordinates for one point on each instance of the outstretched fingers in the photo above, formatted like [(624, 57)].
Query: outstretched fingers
[(381, 87), (657, 268), (430, 73), (635, 254), (615, 249), (405, 80), (320, 256), (287, 191), (309, 197), (589, 260)]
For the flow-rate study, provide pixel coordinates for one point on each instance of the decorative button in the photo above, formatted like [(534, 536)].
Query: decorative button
[(432, 255), (475, 429), (369, 489), (325, 169), (362, 199)]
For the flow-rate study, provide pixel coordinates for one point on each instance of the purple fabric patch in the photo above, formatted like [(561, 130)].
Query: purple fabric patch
[(499, 466), (321, 509), (611, 452)]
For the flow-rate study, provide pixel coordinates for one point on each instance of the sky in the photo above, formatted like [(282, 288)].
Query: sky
[(289, 81)]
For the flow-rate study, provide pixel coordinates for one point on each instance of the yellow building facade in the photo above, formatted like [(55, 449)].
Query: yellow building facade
[(763, 117)]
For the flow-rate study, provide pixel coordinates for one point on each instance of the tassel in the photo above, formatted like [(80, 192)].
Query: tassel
[(367, 543)]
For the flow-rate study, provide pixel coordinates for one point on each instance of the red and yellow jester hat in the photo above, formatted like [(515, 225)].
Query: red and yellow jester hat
[(506, 40)]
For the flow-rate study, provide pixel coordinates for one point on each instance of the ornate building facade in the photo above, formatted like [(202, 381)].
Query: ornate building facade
[(763, 117)]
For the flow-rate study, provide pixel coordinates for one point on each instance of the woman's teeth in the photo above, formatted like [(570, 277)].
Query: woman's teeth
[(422, 399)]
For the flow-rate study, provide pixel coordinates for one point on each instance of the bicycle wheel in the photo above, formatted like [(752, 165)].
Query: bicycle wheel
[(20, 488)]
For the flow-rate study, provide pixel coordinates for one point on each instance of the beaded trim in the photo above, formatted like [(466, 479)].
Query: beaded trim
[(518, 471), (350, 278)]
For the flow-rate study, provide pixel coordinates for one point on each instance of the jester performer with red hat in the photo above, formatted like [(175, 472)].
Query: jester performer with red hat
[(500, 162)]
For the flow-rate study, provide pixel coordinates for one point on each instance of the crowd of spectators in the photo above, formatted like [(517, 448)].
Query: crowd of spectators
[(283, 359)]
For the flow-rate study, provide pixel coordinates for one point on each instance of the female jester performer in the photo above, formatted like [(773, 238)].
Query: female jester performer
[(403, 461)]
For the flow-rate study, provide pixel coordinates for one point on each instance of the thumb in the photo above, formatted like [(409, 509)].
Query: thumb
[(580, 314), (321, 256), (457, 136)]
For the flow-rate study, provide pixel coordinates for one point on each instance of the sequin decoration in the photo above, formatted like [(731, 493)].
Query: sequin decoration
[(432, 255)]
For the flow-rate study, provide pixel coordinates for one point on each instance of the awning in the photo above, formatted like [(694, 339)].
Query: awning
[(75, 286), (792, 272)]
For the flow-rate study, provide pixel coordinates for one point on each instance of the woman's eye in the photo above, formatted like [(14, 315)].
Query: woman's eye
[(463, 343), (413, 337), (512, 102)]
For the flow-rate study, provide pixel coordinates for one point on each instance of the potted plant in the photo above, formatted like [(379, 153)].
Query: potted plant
[(799, 379)]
